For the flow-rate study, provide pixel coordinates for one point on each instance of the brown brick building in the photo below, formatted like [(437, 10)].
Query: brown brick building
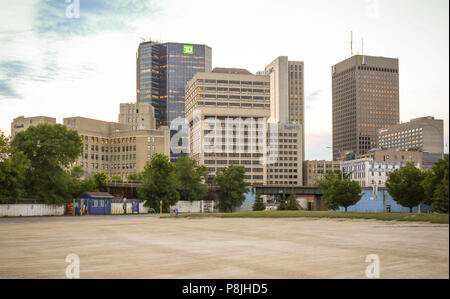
[(365, 100)]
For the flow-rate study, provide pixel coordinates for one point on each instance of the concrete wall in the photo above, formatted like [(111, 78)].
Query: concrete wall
[(17, 210)]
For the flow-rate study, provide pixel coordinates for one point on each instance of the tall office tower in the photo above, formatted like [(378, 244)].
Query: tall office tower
[(287, 108), (365, 100), (227, 111), (163, 70)]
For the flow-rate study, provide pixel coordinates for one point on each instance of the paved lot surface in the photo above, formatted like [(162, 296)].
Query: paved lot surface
[(149, 247)]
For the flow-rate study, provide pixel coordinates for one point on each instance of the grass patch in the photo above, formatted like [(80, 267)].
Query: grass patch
[(432, 218)]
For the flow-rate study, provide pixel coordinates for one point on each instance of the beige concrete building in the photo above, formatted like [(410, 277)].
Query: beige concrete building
[(424, 160), (21, 123), (117, 149), (316, 170), (140, 116), (285, 168), (365, 91), (421, 134), (227, 111)]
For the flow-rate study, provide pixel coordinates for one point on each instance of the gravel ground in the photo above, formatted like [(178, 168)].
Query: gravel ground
[(148, 247)]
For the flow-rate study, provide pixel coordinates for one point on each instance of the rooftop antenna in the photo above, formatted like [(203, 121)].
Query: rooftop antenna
[(351, 44)]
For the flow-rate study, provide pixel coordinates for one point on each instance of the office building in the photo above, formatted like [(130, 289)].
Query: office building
[(316, 170), (227, 110), (421, 134), (22, 123), (365, 95), (163, 69), (369, 173), (140, 116), (424, 160), (116, 149), (287, 109)]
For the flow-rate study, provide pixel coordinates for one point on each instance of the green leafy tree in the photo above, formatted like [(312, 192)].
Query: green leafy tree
[(191, 177), (292, 203), (51, 149), (232, 187), (116, 179), (405, 186), (77, 172), (135, 178), (160, 183), (282, 203), (101, 180), (435, 184), (339, 193), (259, 204), (327, 185), (12, 171)]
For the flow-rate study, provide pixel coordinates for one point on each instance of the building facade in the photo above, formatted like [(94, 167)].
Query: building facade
[(424, 160), (116, 149), (163, 70), (365, 94), (369, 173), (421, 134), (140, 116), (316, 170), (227, 111), (22, 123)]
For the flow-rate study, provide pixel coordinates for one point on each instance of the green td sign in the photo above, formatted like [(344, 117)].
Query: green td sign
[(188, 49)]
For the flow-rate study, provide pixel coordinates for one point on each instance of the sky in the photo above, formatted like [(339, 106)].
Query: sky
[(61, 62)]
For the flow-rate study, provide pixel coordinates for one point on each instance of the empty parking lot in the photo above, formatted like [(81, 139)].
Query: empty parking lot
[(149, 247)]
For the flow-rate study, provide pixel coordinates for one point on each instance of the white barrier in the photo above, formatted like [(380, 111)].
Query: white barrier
[(117, 208), (27, 210)]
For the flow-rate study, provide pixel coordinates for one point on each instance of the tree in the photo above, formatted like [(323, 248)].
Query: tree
[(232, 187), (282, 205), (101, 180), (405, 186), (160, 183), (12, 171), (326, 185), (116, 179), (292, 203), (191, 177), (435, 185), (134, 178), (339, 193), (51, 149), (259, 204)]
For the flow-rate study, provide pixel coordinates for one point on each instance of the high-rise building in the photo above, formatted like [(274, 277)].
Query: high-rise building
[(365, 100), (21, 123), (162, 72), (287, 108), (424, 134), (227, 110)]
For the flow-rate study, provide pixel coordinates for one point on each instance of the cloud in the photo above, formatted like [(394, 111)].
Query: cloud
[(58, 19), (313, 96), (7, 90)]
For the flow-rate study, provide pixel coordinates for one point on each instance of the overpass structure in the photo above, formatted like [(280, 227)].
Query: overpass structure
[(312, 195)]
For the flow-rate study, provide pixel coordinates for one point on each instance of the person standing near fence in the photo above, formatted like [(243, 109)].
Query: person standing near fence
[(124, 205)]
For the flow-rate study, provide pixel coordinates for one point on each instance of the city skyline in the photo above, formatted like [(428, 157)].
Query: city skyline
[(59, 67)]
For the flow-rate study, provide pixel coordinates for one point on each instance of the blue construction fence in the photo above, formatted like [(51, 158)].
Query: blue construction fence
[(384, 204)]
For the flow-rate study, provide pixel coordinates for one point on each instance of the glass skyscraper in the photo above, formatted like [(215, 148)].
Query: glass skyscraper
[(162, 72)]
